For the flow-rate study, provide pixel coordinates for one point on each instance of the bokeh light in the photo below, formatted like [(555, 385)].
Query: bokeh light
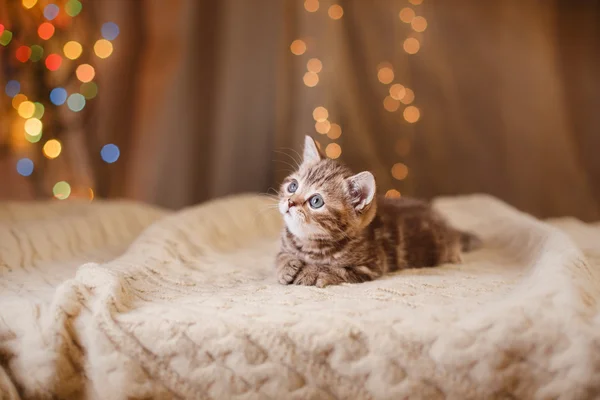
[(391, 104), (37, 52), (33, 126), (110, 153), (29, 3), (333, 150), (320, 113), (399, 171), (52, 148), (12, 88), (335, 11), (72, 50), (397, 91), (25, 166), (89, 90), (311, 5), (412, 114), (110, 30), (51, 11), (103, 48), (46, 30), (409, 96), (385, 75), (322, 127), (26, 109), (314, 65), (61, 190), (311, 79), (23, 53), (73, 8), (38, 111), (406, 15), (298, 47), (53, 62), (419, 24), (415, 2), (1, 29), (85, 73), (34, 139), (411, 45), (58, 96), (76, 102), (17, 100), (5, 37), (335, 131), (393, 194)]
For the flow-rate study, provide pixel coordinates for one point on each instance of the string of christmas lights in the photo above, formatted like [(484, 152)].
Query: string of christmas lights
[(35, 113)]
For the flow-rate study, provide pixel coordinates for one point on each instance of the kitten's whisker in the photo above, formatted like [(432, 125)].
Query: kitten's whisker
[(288, 155), (286, 163), (300, 158)]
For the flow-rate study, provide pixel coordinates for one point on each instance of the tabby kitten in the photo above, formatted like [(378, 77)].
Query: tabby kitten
[(336, 231)]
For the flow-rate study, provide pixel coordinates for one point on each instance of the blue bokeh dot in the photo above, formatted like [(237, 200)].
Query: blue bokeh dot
[(51, 11), (25, 166), (110, 153), (12, 88), (110, 30), (58, 96)]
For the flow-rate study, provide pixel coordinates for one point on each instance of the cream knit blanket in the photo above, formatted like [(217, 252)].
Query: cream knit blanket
[(119, 300)]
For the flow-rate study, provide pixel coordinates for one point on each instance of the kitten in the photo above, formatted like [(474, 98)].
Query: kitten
[(336, 230)]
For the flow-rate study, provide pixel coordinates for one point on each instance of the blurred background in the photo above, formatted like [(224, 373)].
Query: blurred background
[(177, 102)]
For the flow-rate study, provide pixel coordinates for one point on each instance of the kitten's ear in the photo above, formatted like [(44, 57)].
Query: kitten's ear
[(361, 188), (311, 151)]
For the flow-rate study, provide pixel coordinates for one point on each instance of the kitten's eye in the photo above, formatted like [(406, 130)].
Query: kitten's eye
[(292, 187), (316, 201)]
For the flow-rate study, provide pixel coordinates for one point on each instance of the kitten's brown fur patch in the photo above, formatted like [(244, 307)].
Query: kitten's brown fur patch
[(354, 236)]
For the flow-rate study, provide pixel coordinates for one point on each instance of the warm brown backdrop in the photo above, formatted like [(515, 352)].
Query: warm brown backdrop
[(200, 94)]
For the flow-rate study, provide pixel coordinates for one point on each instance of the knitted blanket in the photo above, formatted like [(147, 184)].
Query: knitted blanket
[(118, 300)]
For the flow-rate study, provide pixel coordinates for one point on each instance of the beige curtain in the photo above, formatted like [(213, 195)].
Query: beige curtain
[(201, 95)]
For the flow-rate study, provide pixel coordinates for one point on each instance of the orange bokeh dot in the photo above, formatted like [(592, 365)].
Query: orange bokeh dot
[(333, 150), (335, 131), (311, 79), (393, 194), (314, 65), (385, 75), (320, 113), (335, 11), (322, 127), (53, 62), (85, 73), (397, 91), (298, 47), (46, 30), (399, 171), (412, 114), (406, 14), (23, 53), (390, 104), (409, 96), (411, 45), (311, 5), (419, 24)]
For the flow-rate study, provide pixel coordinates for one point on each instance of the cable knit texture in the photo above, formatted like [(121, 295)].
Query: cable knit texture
[(120, 300)]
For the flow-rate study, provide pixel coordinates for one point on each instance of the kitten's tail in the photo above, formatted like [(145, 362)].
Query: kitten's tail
[(470, 241)]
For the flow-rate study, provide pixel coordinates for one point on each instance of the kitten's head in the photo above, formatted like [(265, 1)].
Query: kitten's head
[(324, 200)]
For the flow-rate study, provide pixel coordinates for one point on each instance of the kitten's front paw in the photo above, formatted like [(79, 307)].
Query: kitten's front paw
[(288, 271), (317, 276)]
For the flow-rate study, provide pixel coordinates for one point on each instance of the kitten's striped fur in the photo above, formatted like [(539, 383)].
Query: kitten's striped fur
[(355, 237)]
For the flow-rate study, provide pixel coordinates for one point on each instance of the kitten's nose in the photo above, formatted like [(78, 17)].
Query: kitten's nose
[(291, 203)]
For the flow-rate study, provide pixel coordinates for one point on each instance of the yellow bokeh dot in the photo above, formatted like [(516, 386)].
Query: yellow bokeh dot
[(298, 47), (385, 75), (314, 65), (311, 5), (390, 104), (33, 126), (26, 109), (29, 3), (103, 48), (397, 91), (411, 45), (412, 114), (61, 190), (406, 15), (311, 79), (393, 194), (52, 148), (335, 131), (419, 24), (335, 11), (320, 113), (72, 50), (409, 96), (333, 150), (399, 171), (322, 127), (17, 100)]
